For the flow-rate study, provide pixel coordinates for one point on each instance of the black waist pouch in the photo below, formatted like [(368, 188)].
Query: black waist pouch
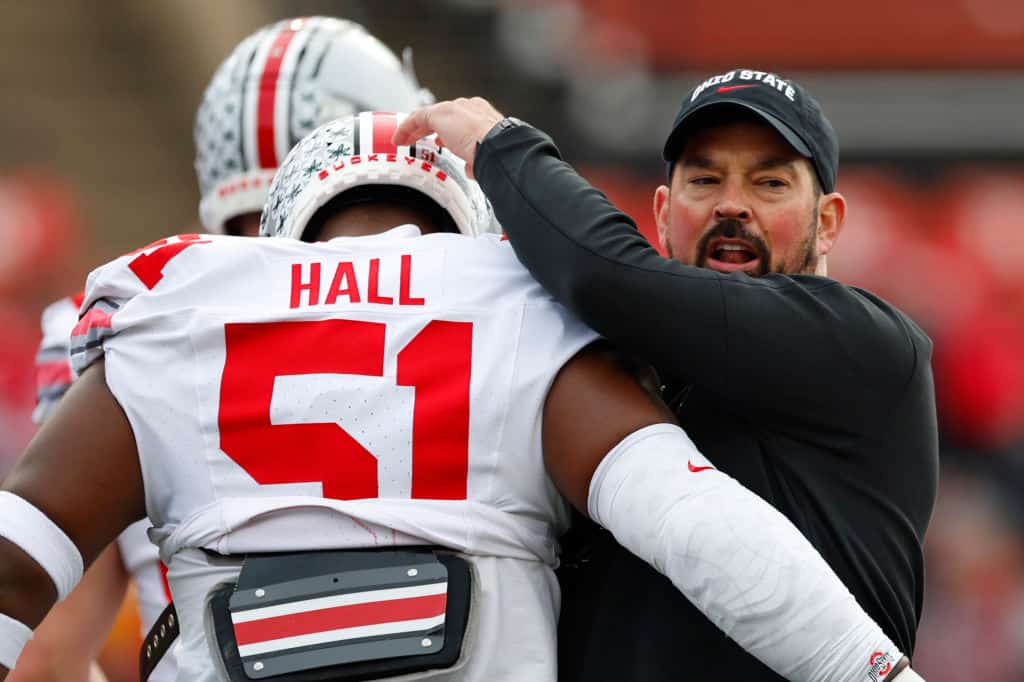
[(342, 615)]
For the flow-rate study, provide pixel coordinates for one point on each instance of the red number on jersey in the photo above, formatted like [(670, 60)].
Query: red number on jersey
[(149, 267), (436, 363)]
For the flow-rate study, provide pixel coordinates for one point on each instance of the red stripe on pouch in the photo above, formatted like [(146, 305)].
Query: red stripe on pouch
[(354, 615)]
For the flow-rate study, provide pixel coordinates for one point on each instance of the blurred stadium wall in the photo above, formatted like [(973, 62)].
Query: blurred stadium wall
[(928, 99)]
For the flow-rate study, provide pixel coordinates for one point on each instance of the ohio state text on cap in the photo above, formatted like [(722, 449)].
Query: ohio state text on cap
[(781, 103)]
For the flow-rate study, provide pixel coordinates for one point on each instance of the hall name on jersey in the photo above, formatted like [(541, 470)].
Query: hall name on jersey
[(381, 281)]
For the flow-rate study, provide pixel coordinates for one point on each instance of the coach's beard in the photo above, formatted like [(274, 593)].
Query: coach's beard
[(730, 228)]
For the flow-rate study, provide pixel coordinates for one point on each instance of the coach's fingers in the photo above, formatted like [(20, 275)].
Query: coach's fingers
[(461, 123), (415, 126)]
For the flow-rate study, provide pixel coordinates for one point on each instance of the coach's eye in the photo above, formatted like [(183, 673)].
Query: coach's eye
[(704, 180)]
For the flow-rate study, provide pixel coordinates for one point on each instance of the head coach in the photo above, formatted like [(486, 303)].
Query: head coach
[(816, 395)]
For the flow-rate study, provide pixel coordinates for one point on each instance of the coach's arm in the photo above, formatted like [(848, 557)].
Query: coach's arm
[(793, 337)]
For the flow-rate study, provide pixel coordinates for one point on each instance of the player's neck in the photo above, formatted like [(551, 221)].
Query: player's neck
[(372, 218)]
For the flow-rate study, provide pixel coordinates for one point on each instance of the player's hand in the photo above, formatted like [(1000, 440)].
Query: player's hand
[(459, 123)]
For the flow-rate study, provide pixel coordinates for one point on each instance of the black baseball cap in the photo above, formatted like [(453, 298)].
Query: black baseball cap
[(780, 102)]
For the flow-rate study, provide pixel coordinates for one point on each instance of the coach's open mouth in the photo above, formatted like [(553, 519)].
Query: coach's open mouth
[(732, 255)]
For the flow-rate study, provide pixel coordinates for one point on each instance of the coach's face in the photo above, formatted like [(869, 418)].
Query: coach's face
[(742, 199)]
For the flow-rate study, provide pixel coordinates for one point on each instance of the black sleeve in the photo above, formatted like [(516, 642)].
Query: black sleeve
[(793, 344)]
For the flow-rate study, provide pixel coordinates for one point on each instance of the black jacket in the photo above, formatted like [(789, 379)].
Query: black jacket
[(815, 395)]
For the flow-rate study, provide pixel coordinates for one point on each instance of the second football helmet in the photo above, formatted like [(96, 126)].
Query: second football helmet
[(276, 87)]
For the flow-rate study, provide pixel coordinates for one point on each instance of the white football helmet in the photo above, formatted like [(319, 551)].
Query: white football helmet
[(356, 151), (277, 86)]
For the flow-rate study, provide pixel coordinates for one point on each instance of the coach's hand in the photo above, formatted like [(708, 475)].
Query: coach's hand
[(459, 123)]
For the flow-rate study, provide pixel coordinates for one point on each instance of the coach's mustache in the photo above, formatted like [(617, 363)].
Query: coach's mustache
[(731, 228)]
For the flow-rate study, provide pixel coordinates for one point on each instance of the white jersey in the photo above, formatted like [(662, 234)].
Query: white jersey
[(53, 361), (138, 555), (363, 392)]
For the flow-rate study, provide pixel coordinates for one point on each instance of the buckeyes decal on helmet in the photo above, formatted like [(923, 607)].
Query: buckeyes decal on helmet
[(356, 151)]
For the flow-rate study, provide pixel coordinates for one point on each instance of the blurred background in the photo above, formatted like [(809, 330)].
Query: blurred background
[(928, 99)]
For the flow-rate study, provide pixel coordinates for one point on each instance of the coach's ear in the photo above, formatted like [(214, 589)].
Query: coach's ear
[(831, 216), (662, 195)]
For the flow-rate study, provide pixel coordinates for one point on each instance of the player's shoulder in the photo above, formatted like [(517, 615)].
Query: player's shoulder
[(490, 253), (493, 245), (154, 280), (489, 266), (510, 275), (486, 271), (175, 260)]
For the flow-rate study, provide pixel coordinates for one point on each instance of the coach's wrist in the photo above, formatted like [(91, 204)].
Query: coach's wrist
[(500, 127)]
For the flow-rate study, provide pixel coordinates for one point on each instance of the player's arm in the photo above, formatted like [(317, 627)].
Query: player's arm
[(616, 454), (76, 487), (69, 639)]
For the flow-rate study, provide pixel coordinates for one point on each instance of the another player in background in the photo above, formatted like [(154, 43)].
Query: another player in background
[(274, 88), (383, 389)]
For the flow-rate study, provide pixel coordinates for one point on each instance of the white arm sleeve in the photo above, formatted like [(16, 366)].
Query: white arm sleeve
[(741, 562), (14, 635), (37, 535)]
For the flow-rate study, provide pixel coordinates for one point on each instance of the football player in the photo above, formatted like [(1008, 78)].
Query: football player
[(398, 392), (274, 88)]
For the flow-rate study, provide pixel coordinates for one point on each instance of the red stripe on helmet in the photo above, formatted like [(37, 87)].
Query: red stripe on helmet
[(384, 126), (267, 97)]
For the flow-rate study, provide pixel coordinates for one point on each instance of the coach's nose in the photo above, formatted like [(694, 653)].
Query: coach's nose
[(732, 204)]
